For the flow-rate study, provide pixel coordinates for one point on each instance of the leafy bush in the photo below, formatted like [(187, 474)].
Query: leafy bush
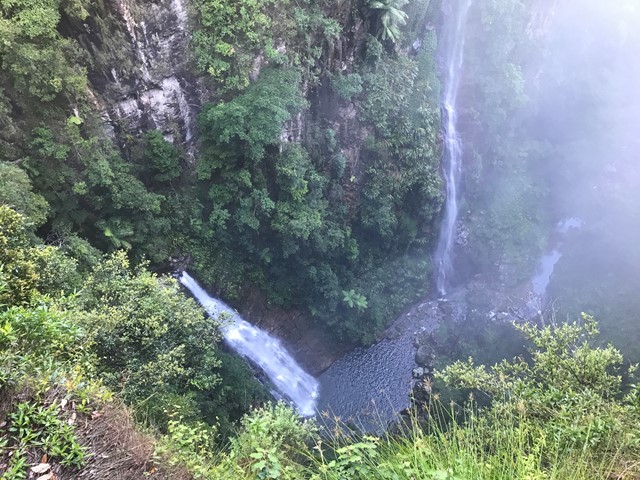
[(16, 192), (570, 390), (347, 85), (32, 426), (389, 17), (35, 58), (17, 271), (270, 441), (252, 121), (191, 445), (150, 340), (226, 27), (84, 176), (162, 157)]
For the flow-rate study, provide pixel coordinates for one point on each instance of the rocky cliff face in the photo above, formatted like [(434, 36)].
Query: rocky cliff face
[(311, 345), (140, 77)]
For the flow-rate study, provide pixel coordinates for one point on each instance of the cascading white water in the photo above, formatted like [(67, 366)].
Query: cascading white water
[(262, 349), (452, 158)]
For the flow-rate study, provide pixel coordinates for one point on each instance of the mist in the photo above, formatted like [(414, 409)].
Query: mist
[(589, 111)]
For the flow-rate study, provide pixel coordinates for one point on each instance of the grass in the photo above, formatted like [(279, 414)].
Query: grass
[(481, 446)]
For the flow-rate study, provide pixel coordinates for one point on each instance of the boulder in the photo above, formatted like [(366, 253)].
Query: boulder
[(422, 338), (424, 356), (446, 308)]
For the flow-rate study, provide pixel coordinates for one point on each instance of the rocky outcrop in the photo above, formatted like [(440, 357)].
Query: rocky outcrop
[(139, 76), (309, 344)]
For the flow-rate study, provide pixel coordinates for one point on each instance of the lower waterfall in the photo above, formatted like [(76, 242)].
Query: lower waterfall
[(260, 348)]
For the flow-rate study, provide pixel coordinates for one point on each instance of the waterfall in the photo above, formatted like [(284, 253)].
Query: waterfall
[(138, 46), (452, 156), (262, 349)]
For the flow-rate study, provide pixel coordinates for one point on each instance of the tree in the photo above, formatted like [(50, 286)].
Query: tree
[(18, 275), (36, 60), (150, 339), (253, 121), (390, 18), (27, 269), (162, 158), (16, 192), (570, 389), (353, 299)]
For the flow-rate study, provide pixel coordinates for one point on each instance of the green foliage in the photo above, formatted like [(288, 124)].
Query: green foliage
[(90, 188), (506, 197), (16, 192), (239, 137), (235, 38), (285, 216), (36, 60), (93, 190), (34, 339), (570, 389), (300, 209), (352, 460), (390, 17), (236, 393), (18, 271), (150, 341), (297, 225), (527, 431), (564, 414), (507, 224), (252, 121), (44, 361), (189, 445), (162, 157), (402, 190), (347, 85), (32, 426), (269, 442), (226, 27), (57, 271), (354, 300)]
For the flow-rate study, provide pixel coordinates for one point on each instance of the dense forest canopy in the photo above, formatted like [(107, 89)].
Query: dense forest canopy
[(307, 220)]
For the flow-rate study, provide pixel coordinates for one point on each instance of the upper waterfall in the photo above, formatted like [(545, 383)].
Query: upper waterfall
[(262, 349), (452, 157)]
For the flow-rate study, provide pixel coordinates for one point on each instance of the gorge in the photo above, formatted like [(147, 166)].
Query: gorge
[(385, 204)]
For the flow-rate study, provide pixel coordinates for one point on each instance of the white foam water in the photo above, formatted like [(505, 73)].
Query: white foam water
[(260, 348), (452, 158)]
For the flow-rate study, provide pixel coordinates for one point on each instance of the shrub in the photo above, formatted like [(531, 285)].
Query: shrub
[(150, 340), (570, 389), (347, 85)]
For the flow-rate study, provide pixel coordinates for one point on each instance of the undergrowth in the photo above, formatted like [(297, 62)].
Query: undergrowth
[(565, 415)]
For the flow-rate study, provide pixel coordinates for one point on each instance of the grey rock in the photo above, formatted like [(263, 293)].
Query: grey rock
[(418, 372), (424, 356), (446, 308), (393, 334), (146, 81), (422, 338)]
